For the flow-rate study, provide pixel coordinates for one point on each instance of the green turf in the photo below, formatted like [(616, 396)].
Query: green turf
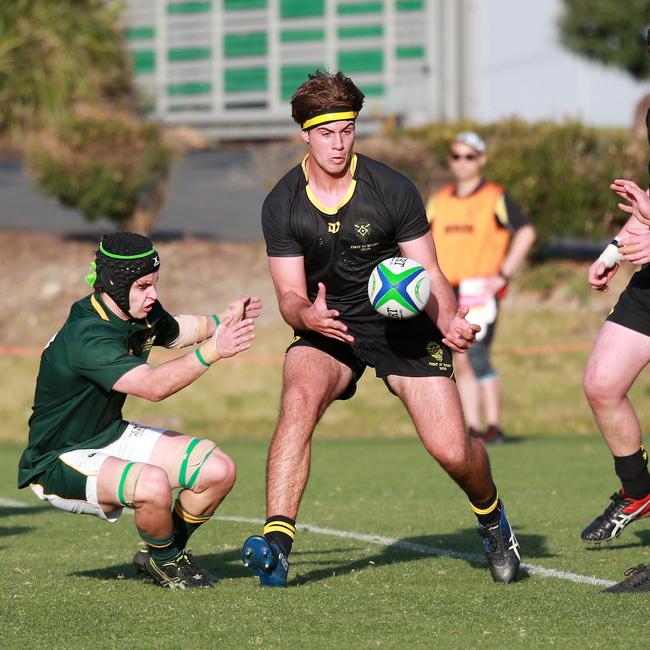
[(67, 579)]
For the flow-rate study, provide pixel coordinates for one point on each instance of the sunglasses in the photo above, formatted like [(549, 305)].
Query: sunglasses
[(460, 156)]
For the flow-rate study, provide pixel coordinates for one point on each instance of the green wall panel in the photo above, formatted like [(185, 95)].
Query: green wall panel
[(373, 91), (301, 8), (239, 80), (410, 52), (299, 35), (190, 88), (351, 61), (291, 76), (363, 31), (253, 44), (410, 5), (241, 5), (189, 53), (144, 61), (188, 7), (360, 8), (135, 33)]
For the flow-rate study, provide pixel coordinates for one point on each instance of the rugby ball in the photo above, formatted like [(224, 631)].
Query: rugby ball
[(399, 288)]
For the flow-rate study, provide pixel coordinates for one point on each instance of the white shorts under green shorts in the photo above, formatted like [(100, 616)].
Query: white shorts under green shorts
[(72, 483)]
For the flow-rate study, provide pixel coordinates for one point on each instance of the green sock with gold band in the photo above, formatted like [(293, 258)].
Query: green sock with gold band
[(185, 523), (280, 530), (161, 549)]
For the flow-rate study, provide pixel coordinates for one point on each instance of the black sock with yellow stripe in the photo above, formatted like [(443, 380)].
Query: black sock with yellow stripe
[(161, 549), (487, 512), (280, 530), (185, 523)]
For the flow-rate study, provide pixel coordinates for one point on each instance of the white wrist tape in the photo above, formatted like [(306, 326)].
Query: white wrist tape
[(191, 330), (611, 255)]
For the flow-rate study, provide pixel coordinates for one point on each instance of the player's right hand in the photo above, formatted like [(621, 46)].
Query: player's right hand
[(599, 275), (229, 339), (638, 200), (318, 318)]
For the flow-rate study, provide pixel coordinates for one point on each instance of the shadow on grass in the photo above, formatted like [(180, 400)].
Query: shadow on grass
[(10, 511), (223, 565), (6, 531), (463, 546)]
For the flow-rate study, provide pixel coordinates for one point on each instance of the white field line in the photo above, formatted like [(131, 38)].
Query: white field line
[(423, 549)]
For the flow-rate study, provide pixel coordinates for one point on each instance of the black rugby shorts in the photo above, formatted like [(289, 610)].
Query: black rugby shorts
[(633, 307), (407, 348)]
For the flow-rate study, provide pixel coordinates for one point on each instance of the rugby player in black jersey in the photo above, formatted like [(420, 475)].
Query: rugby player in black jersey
[(327, 223), (620, 353)]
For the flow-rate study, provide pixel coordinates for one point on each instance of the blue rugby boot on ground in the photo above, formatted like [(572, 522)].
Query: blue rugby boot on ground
[(267, 561), (501, 549)]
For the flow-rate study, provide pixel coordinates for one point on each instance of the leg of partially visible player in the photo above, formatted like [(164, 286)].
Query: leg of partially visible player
[(616, 360), (434, 406), (312, 381), (469, 391)]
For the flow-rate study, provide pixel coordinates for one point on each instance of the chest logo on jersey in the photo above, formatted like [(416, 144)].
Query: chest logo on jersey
[(137, 350), (362, 229), (333, 227)]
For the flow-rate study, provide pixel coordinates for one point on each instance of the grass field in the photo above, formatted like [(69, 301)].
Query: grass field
[(387, 552), (67, 577)]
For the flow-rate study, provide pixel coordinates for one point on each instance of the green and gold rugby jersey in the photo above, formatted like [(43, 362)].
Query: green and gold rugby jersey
[(342, 245), (75, 406)]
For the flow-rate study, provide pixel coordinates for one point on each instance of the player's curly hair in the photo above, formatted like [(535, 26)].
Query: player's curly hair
[(322, 92)]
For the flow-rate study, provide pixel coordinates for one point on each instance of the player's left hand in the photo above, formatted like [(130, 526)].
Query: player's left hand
[(460, 333), (244, 307)]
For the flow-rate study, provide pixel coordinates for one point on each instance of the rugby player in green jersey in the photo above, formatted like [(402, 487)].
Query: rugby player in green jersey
[(83, 457), (327, 223)]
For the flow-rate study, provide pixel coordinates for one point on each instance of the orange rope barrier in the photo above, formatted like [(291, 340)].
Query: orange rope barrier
[(581, 346)]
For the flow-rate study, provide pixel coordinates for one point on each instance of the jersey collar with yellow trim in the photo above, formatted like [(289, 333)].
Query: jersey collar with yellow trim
[(106, 314), (348, 195)]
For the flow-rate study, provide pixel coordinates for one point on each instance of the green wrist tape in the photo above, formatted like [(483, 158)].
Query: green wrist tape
[(199, 356)]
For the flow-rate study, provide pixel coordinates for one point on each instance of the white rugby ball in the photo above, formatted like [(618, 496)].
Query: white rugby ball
[(399, 288)]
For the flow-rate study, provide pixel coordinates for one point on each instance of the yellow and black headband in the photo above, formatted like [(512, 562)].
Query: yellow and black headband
[(330, 116)]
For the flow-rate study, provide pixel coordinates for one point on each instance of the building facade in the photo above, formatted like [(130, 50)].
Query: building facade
[(231, 66)]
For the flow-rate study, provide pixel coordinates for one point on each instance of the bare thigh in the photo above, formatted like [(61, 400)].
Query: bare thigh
[(617, 358)]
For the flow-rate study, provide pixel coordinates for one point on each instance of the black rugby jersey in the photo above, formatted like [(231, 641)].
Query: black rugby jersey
[(341, 246)]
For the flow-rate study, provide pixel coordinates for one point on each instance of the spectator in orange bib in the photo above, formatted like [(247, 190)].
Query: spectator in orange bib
[(482, 238)]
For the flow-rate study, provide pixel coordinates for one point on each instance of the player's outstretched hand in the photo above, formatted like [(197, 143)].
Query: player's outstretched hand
[(635, 248), (244, 307), (599, 275), (318, 318), (638, 201), (461, 333), (232, 337)]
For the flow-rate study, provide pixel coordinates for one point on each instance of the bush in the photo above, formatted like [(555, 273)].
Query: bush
[(106, 166), (559, 174), (55, 55)]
